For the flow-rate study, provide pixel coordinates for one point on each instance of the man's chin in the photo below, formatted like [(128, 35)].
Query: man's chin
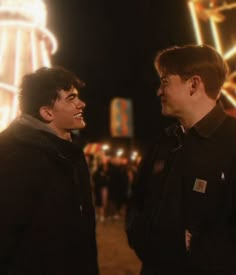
[(82, 125), (166, 112), (79, 126)]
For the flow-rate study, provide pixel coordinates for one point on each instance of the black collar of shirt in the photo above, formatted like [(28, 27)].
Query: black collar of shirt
[(207, 125)]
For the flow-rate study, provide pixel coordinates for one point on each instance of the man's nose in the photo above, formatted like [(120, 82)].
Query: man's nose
[(159, 92), (81, 104)]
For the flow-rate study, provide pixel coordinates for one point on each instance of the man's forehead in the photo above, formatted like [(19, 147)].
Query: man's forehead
[(72, 90), (168, 76)]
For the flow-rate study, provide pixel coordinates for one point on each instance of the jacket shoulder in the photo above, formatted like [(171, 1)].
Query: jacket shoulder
[(230, 123), (228, 130)]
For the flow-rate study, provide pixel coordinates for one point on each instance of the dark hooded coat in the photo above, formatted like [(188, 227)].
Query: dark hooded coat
[(47, 223)]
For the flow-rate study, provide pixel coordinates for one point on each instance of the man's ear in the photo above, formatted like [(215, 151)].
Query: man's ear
[(46, 113), (195, 82)]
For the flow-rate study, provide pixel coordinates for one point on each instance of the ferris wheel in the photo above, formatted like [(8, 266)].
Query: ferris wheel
[(213, 13), (25, 45)]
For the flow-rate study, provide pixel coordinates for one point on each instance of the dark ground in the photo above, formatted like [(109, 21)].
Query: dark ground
[(114, 255)]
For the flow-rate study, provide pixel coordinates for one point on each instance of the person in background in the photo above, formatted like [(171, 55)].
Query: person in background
[(46, 212), (118, 187), (182, 215), (101, 182)]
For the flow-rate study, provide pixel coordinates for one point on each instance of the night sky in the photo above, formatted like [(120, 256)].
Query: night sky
[(111, 46)]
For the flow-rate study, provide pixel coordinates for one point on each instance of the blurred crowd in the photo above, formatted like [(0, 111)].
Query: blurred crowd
[(111, 179)]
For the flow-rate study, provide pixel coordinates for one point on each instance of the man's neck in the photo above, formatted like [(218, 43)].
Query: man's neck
[(63, 134)]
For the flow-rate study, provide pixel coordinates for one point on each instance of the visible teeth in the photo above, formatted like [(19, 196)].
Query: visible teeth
[(78, 115)]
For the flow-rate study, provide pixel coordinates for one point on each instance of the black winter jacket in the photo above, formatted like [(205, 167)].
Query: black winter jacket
[(187, 182), (47, 223)]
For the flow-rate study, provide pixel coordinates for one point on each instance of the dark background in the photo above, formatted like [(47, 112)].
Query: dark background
[(111, 46)]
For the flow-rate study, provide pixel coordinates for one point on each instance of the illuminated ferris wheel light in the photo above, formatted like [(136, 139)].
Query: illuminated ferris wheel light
[(18, 57), (33, 10), (45, 57), (214, 16), (25, 45), (10, 88), (230, 53), (3, 46), (229, 97), (216, 36), (195, 22), (34, 50), (46, 34)]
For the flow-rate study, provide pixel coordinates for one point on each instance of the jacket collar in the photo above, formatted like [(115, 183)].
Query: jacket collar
[(208, 125), (33, 122)]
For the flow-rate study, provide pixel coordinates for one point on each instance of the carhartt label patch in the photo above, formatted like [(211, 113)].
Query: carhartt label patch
[(200, 186)]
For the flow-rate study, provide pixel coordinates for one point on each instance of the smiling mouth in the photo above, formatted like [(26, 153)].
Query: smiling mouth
[(78, 115)]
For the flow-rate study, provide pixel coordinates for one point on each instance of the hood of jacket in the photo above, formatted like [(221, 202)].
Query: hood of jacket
[(31, 132)]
